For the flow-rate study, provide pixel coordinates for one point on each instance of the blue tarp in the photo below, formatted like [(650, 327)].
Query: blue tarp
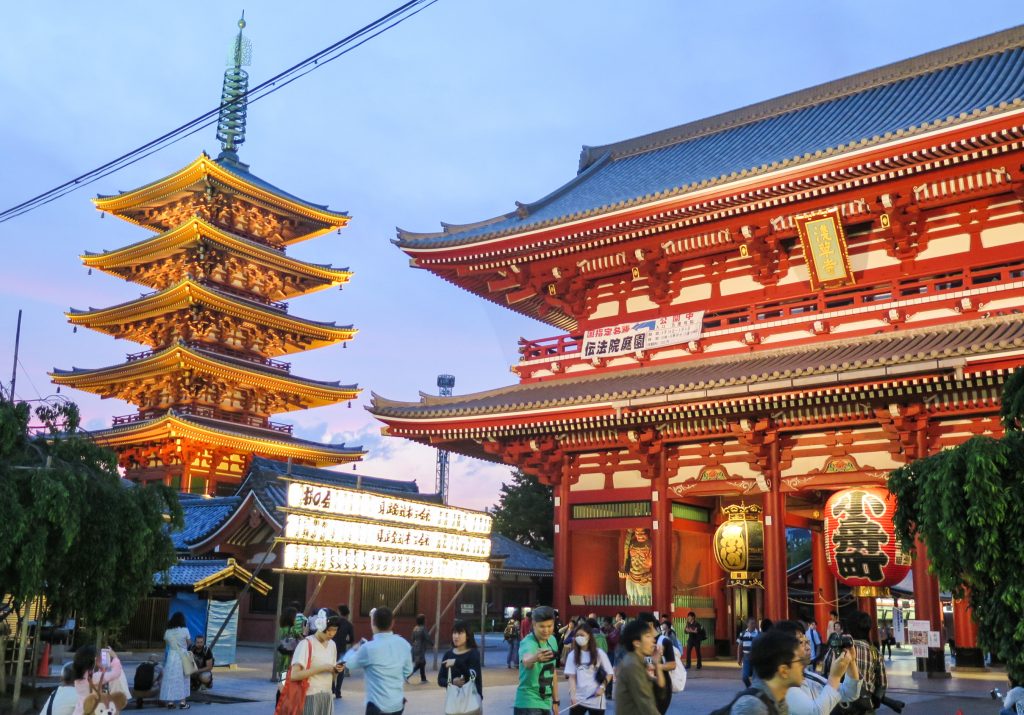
[(194, 610), (224, 651)]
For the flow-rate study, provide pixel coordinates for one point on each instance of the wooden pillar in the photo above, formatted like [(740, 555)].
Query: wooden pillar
[(965, 636), (824, 583), (928, 608), (661, 540), (776, 593), (563, 570)]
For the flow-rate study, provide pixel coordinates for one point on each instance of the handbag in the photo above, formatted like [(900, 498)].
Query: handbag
[(293, 696), (464, 699), (188, 663)]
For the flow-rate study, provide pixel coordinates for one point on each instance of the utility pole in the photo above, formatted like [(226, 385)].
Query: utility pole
[(445, 383), (17, 343)]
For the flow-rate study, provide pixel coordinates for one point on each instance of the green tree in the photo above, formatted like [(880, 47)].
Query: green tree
[(964, 503), (525, 513), (72, 530)]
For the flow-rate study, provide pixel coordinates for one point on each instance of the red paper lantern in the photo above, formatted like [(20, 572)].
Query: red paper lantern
[(861, 547)]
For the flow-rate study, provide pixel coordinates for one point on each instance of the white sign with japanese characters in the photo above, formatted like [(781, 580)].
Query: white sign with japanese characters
[(628, 338), (346, 531)]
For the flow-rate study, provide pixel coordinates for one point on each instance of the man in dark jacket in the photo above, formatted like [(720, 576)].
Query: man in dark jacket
[(343, 640), (694, 637), (635, 688)]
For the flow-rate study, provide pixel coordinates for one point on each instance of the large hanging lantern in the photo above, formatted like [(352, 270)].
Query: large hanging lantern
[(739, 545), (861, 547)]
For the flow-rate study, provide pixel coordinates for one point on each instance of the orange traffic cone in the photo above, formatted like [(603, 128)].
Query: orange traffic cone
[(44, 663)]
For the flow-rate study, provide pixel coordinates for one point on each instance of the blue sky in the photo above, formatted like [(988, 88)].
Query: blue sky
[(452, 116)]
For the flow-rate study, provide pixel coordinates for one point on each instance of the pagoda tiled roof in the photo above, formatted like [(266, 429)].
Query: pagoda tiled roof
[(234, 172), (202, 516), (965, 82), (170, 242), (187, 292), (518, 558), (833, 363), (245, 438), (174, 357), (187, 572)]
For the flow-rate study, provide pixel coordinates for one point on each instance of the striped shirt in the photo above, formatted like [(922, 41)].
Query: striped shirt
[(746, 641)]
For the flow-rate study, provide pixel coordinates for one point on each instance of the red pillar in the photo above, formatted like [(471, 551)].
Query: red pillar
[(824, 583), (661, 590), (776, 591), (965, 635), (563, 572), (928, 608)]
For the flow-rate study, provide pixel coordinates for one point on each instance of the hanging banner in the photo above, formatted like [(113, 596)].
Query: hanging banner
[(897, 625), (646, 335), (345, 531), (824, 247)]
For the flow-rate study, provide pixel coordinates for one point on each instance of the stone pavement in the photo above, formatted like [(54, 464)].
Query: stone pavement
[(707, 689)]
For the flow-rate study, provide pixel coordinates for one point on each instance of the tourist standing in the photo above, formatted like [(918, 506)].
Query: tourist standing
[(537, 692), (885, 639), (461, 663), (512, 637), (589, 672), (817, 694), (64, 698), (636, 691), (91, 671), (777, 660), (387, 660), (420, 641), (289, 633), (745, 644), (666, 653), (318, 652), (174, 687), (343, 639), (695, 635), (814, 642)]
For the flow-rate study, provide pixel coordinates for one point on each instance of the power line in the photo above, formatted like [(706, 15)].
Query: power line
[(278, 81)]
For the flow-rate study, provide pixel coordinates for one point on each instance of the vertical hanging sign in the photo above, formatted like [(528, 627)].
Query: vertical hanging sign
[(824, 248)]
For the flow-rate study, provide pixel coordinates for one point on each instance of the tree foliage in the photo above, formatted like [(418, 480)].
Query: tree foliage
[(525, 513), (72, 530), (964, 503)]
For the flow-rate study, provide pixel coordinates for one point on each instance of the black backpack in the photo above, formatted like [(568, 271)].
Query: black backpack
[(144, 677), (761, 695)]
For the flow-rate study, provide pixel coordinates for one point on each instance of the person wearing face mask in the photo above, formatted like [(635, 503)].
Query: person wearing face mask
[(589, 672)]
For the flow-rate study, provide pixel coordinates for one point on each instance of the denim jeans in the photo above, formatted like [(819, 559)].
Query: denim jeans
[(513, 653), (748, 671)]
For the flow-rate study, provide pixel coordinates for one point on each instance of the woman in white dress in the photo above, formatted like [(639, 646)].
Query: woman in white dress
[(175, 684), (319, 652)]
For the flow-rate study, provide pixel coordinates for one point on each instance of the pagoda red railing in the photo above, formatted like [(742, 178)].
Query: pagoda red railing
[(839, 299), (210, 413), (268, 362)]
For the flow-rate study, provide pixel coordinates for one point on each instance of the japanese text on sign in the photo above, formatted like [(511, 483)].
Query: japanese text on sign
[(824, 248), (377, 507), (645, 335), (303, 527), (332, 559)]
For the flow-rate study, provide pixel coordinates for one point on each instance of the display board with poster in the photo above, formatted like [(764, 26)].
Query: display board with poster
[(334, 530), (643, 335), (917, 637)]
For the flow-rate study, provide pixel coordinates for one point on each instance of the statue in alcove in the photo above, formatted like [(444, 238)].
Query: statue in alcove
[(636, 567)]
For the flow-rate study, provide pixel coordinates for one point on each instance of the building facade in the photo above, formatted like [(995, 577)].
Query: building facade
[(760, 308)]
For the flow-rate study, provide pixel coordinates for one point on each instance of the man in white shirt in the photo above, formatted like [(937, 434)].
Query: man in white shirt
[(387, 660), (814, 639), (818, 695)]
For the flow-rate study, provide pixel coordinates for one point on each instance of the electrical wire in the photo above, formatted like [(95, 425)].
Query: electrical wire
[(282, 79)]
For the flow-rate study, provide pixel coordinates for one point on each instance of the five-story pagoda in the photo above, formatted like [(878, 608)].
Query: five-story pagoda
[(215, 322)]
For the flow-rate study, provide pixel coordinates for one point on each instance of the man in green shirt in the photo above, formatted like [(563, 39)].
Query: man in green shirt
[(537, 693)]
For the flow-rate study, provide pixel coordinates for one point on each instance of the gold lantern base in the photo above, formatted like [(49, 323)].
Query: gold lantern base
[(870, 591)]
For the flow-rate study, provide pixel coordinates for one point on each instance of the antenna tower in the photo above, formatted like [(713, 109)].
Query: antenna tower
[(445, 383)]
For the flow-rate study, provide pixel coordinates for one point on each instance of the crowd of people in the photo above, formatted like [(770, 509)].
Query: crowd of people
[(638, 662)]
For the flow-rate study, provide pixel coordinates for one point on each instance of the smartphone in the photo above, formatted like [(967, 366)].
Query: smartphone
[(105, 659)]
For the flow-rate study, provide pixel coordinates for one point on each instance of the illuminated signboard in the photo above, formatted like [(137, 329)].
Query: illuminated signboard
[(344, 531)]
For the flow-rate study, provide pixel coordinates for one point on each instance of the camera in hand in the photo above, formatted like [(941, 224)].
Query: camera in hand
[(995, 694), (838, 645)]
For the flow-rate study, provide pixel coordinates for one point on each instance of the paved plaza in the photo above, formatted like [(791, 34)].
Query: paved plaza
[(706, 690)]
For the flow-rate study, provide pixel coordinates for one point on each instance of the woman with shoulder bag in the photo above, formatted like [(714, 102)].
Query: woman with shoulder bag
[(310, 680), (589, 671), (461, 667), (174, 687), (420, 642)]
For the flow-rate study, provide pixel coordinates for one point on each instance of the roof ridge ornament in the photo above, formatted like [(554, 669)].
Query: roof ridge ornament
[(234, 98)]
